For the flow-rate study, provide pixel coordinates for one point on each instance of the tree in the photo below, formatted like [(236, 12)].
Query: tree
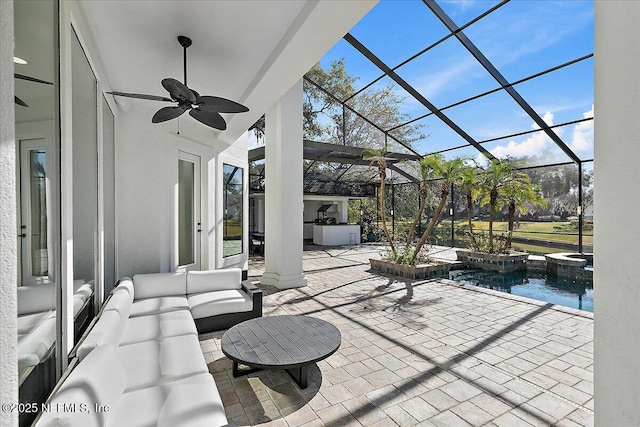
[(519, 193), (495, 177), (469, 187), (378, 158), (325, 119), (451, 172)]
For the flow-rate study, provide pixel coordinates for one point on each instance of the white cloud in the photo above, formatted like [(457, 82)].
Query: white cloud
[(540, 145), (431, 84), (463, 4), (532, 146), (582, 138)]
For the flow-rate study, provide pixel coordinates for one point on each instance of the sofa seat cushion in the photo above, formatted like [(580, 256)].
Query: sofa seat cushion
[(192, 401), (99, 380), (158, 305), (157, 327), (155, 362), (219, 302)]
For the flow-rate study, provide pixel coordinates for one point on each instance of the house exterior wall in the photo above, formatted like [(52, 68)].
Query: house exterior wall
[(8, 235), (616, 193), (146, 176)]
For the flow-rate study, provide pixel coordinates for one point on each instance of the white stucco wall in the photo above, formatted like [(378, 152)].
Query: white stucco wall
[(616, 208), (8, 235), (146, 162)]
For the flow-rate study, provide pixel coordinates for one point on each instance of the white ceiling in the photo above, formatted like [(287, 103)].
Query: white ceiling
[(248, 51)]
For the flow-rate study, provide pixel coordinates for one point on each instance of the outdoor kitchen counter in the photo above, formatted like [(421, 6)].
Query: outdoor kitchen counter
[(336, 235)]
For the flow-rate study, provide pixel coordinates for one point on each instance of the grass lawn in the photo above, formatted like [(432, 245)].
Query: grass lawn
[(564, 232), (551, 231)]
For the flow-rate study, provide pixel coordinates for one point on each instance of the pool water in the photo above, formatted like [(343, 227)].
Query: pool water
[(569, 293)]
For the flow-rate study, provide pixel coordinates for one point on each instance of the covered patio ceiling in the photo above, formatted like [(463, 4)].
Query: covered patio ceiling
[(249, 51)]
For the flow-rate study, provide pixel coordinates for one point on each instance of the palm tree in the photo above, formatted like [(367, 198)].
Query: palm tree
[(469, 187), (519, 193), (378, 158), (496, 176), (426, 173), (451, 172)]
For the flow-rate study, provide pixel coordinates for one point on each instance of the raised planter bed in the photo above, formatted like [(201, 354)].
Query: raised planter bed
[(502, 263), (419, 271)]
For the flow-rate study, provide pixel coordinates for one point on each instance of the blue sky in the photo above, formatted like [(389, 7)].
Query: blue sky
[(521, 38)]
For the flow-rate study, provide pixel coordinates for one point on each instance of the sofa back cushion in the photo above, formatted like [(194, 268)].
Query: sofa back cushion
[(36, 298), (107, 330), (213, 280), (119, 302), (100, 379), (160, 285), (125, 285)]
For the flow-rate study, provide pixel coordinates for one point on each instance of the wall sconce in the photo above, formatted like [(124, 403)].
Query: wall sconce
[(451, 211)]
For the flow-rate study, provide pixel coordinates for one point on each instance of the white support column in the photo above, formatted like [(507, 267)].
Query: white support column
[(283, 192), (8, 228), (616, 208), (344, 211), (260, 215)]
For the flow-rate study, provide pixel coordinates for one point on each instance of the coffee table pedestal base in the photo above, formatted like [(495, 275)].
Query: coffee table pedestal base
[(298, 374)]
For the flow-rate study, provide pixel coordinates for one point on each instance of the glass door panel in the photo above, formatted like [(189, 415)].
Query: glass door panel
[(34, 205), (189, 225)]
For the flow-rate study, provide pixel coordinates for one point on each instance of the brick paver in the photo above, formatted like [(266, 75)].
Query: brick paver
[(417, 352)]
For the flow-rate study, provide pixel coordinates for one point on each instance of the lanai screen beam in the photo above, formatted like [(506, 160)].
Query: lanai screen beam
[(428, 48), (484, 61), (403, 173), (559, 125), (417, 95), (345, 170), (489, 92), (408, 147)]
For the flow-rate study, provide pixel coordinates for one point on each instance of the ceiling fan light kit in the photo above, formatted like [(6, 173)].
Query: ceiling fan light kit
[(205, 109)]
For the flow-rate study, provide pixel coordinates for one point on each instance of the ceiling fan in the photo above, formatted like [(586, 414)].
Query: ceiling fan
[(30, 79), (205, 109)]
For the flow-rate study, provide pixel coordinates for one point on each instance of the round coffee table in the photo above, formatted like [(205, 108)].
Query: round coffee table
[(290, 342)]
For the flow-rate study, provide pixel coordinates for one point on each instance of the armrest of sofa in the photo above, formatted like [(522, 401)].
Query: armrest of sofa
[(256, 295)]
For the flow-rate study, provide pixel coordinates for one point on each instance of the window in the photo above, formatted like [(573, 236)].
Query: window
[(233, 198)]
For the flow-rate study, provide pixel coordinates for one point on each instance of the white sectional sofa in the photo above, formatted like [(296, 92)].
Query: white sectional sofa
[(37, 320), (142, 357)]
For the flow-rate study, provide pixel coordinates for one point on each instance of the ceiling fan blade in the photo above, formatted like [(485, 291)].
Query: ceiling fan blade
[(178, 91), (31, 79), (167, 113), (20, 101), (220, 105), (209, 118), (142, 96)]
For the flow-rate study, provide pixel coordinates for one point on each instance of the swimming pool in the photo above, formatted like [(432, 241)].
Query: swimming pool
[(569, 293)]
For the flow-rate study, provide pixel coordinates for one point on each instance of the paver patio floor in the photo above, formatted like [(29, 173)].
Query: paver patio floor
[(417, 352)]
